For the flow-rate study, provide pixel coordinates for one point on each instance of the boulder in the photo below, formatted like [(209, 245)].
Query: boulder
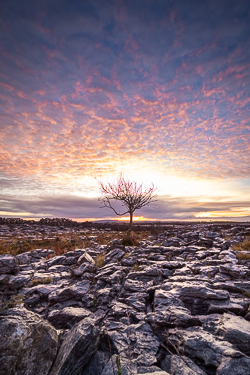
[(28, 344)]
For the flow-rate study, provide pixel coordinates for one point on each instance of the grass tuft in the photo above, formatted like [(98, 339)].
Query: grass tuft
[(99, 260)]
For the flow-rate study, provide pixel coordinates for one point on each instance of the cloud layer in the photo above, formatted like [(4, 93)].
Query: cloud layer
[(90, 87)]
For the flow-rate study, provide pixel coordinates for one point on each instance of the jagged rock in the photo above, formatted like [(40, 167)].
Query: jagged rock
[(163, 299), (114, 255), (8, 264), (84, 268), (225, 307), (234, 366), (104, 296), (76, 291), (180, 365), (19, 281), (77, 348), (137, 342), (137, 301), (24, 258), (235, 271), (28, 344)]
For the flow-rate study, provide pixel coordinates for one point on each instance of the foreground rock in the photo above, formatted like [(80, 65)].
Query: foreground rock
[(28, 343), (177, 304), (79, 345)]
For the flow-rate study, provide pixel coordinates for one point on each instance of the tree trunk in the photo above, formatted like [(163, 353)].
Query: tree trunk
[(130, 221)]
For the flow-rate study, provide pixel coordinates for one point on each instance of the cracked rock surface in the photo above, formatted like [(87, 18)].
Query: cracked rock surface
[(178, 304)]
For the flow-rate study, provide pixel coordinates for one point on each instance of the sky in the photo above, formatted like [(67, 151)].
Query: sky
[(158, 90)]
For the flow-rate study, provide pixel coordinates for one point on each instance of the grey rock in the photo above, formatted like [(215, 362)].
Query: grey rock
[(83, 268), (28, 344), (96, 364), (148, 369), (76, 291), (137, 301), (234, 366), (85, 258), (235, 271), (78, 347), (180, 365), (18, 281), (226, 307), (114, 255), (197, 343), (163, 299), (23, 258), (56, 260), (174, 316), (134, 342), (104, 296), (8, 264), (67, 317), (235, 330)]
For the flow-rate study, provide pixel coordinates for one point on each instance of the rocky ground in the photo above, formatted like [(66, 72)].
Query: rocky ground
[(176, 304)]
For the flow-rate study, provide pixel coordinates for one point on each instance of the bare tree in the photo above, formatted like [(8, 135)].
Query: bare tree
[(131, 195)]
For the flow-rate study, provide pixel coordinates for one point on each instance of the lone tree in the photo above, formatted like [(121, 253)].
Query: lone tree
[(130, 194)]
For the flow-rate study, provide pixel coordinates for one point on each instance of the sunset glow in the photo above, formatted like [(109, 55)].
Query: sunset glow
[(158, 91)]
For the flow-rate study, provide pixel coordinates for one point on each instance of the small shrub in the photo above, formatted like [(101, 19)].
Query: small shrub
[(94, 303), (129, 240), (99, 260)]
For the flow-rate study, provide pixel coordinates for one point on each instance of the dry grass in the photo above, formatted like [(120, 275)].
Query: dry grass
[(12, 302), (243, 256), (44, 280), (61, 243), (243, 246), (135, 267), (99, 260), (243, 250)]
